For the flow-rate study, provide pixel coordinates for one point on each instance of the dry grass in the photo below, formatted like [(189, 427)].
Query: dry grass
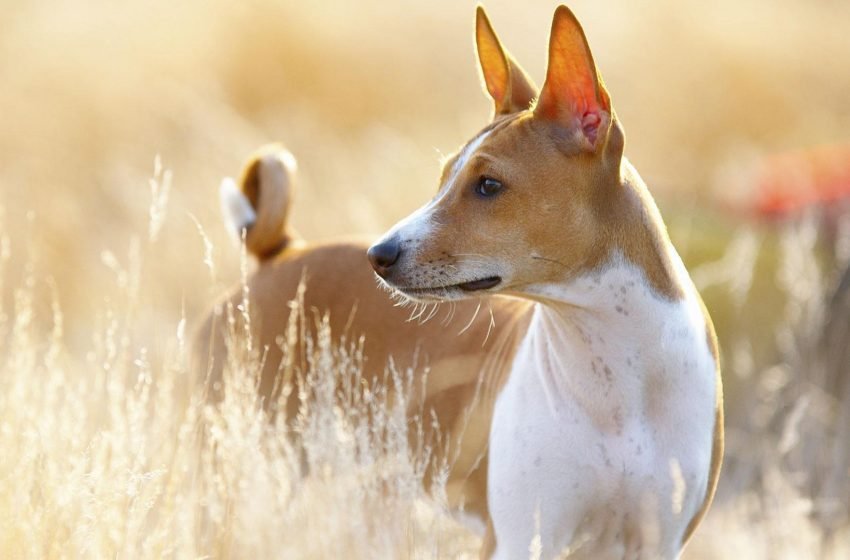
[(105, 452), (109, 456)]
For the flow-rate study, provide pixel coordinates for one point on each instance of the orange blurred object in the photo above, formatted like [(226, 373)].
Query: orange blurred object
[(789, 183)]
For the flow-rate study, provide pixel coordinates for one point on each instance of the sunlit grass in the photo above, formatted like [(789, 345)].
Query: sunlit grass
[(104, 456), (108, 447), (115, 450)]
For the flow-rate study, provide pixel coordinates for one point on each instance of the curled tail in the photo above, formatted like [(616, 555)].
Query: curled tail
[(259, 204)]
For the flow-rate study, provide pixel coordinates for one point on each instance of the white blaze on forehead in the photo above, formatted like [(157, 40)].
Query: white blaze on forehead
[(418, 225), (463, 158)]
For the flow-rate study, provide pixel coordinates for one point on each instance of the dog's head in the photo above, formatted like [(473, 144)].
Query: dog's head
[(525, 202)]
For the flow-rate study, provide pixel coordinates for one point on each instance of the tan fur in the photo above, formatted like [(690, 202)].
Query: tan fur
[(340, 282), (582, 207), (270, 167), (568, 204), (507, 84)]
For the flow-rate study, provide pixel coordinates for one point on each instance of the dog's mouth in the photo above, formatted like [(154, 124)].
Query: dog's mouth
[(482, 284), (446, 290)]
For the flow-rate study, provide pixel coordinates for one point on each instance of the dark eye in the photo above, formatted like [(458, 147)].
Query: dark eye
[(487, 187)]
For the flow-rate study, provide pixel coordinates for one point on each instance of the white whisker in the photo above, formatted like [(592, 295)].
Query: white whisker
[(492, 324), (450, 315), (433, 312), (474, 315)]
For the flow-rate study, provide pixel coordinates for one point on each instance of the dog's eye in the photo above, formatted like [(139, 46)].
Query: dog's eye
[(487, 187)]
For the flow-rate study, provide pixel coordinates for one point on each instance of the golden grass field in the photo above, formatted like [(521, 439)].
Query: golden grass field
[(108, 259)]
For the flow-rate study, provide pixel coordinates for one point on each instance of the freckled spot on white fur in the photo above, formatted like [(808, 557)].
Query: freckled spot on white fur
[(563, 369)]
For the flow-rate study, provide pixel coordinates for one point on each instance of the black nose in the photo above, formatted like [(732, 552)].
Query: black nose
[(383, 256)]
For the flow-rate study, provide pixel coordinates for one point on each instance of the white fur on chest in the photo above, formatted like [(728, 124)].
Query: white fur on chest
[(601, 438)]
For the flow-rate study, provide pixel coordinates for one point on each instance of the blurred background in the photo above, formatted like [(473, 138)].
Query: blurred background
[(736, 113)]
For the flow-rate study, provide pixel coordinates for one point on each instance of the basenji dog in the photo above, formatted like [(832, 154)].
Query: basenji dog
[(584, 410)]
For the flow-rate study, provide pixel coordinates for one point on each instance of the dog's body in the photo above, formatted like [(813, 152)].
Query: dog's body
[(466, 358), (590, 418), (587, 446)]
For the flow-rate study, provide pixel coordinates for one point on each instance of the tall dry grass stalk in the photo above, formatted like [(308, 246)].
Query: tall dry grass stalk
[(115, 452), (107, 450), (105, 456), (785, 490)]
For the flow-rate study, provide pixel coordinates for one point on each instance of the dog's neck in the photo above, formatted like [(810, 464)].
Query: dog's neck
[(631, 279), (601, 342), (600, 337)]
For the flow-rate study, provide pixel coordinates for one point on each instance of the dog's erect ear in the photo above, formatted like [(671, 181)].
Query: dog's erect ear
[(573, 94), (508, 85)]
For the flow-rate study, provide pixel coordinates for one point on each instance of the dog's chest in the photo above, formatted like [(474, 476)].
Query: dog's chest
[(604, 423)]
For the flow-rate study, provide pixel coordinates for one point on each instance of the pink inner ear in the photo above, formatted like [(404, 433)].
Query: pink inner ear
[(590, 125)]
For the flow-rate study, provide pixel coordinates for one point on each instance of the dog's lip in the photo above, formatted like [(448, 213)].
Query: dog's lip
[(471, 286), (482, 284)]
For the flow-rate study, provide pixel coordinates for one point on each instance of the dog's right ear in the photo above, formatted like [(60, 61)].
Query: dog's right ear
[(506, 83), (573, 94)]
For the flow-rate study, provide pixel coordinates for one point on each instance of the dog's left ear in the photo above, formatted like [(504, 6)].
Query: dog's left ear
[(507, 84), (573, 94)]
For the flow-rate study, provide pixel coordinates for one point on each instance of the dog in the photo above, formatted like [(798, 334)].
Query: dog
[(586, 413)]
